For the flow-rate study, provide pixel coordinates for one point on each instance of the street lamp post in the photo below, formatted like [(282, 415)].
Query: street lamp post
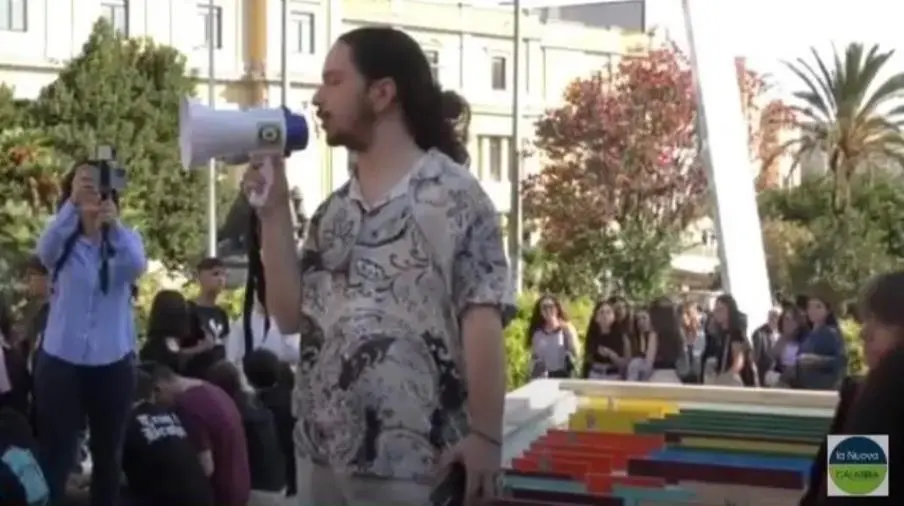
[(515, 221), (284, 55), (212, 164)]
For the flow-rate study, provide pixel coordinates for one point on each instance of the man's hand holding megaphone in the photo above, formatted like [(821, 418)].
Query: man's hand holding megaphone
[(265, 184)]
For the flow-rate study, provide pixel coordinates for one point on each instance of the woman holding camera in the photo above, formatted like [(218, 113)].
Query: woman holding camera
[(85, 368)]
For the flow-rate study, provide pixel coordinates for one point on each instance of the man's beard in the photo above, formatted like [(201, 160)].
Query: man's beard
[(356, 138)]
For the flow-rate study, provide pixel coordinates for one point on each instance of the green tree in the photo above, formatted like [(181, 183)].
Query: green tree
[(126, 93), (879, 198), (28, 182), (808, 247), (844, 254), (783, 242), (848, 115), (13, 111)]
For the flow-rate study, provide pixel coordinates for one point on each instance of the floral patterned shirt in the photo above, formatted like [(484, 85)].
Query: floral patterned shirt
[(380, 385)]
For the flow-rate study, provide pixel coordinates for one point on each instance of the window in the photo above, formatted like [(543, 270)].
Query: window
[(433, 60), (302, 32), (495, 160), (204, 13), (493, 157), (13, 15), (498, 72), (116, 12)]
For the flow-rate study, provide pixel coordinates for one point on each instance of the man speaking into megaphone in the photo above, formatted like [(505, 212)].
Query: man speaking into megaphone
[(403, 287)]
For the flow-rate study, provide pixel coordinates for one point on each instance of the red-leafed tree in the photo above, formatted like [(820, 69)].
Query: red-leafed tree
[(622, 178)]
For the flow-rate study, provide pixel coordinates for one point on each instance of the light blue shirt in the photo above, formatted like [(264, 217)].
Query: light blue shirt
[(86, 326)]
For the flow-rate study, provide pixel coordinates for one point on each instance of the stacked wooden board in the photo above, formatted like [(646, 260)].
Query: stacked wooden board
[(645, 452)]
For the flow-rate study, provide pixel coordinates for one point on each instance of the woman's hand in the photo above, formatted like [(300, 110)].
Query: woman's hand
[(607, 352), (265, 184), (808, 359), (84, 190), (108, 211)]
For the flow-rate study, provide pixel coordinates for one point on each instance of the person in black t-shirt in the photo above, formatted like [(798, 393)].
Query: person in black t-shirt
[(265, 456), (263, 370), (208, 320), (159, 462), (726, 346)]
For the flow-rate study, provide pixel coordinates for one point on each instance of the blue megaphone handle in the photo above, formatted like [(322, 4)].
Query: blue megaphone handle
[(296, 131)]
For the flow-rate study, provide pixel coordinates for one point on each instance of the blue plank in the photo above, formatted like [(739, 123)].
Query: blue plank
[(669, 495), (733, 460)]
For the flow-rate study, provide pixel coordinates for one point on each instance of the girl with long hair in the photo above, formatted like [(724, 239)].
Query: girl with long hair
[(607, 349), (624, 320), (723, 358), (694, 340), (644, 347), (784, 352), (168, 324), (551, 339), (85, 368), (822, 357), (670, 353)]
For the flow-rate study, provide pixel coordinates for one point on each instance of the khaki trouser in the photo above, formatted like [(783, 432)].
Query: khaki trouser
[(320, 486), (261, 498), (664, 376)]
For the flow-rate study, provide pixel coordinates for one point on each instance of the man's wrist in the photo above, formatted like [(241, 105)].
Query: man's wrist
[(487, 437), (276, 214)]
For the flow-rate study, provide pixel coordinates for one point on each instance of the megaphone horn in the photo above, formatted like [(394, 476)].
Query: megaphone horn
[(229, 135)]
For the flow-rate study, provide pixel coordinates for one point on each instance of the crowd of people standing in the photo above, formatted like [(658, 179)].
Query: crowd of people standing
[(799, 346)]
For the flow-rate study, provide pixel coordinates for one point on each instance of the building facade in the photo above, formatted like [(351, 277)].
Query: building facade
[(470, 47)]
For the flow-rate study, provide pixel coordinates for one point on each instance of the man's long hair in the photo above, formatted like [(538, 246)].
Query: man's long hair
[(435, 119)]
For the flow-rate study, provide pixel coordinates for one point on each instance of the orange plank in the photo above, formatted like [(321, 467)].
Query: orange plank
[(525, 464), (575, 468), (595, 463), (618, 456), (644, 442)]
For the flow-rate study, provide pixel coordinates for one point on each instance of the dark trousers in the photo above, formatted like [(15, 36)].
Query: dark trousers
[(66, 394)]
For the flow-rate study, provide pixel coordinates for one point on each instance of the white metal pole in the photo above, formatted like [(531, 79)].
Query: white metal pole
[(515, 218), (284, 55), (212, 167)]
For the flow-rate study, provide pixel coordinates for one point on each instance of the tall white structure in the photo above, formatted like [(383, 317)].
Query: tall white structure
[(723, 128)]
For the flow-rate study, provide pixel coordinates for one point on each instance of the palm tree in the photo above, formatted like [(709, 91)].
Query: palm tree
[(847, 116)]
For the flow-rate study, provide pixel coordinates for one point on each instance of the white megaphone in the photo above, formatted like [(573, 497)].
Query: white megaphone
[(233, 136)]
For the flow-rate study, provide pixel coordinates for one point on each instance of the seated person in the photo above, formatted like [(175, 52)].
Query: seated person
[(214, 426), (168, 324), (264, 334), (265, 456), (262, 370), (159, 462), (21, 481)]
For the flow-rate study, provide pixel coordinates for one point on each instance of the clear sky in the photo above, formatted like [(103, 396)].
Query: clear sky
[(768, 31)]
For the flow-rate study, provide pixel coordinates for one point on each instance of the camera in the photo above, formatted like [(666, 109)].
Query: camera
[(109, 177)]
